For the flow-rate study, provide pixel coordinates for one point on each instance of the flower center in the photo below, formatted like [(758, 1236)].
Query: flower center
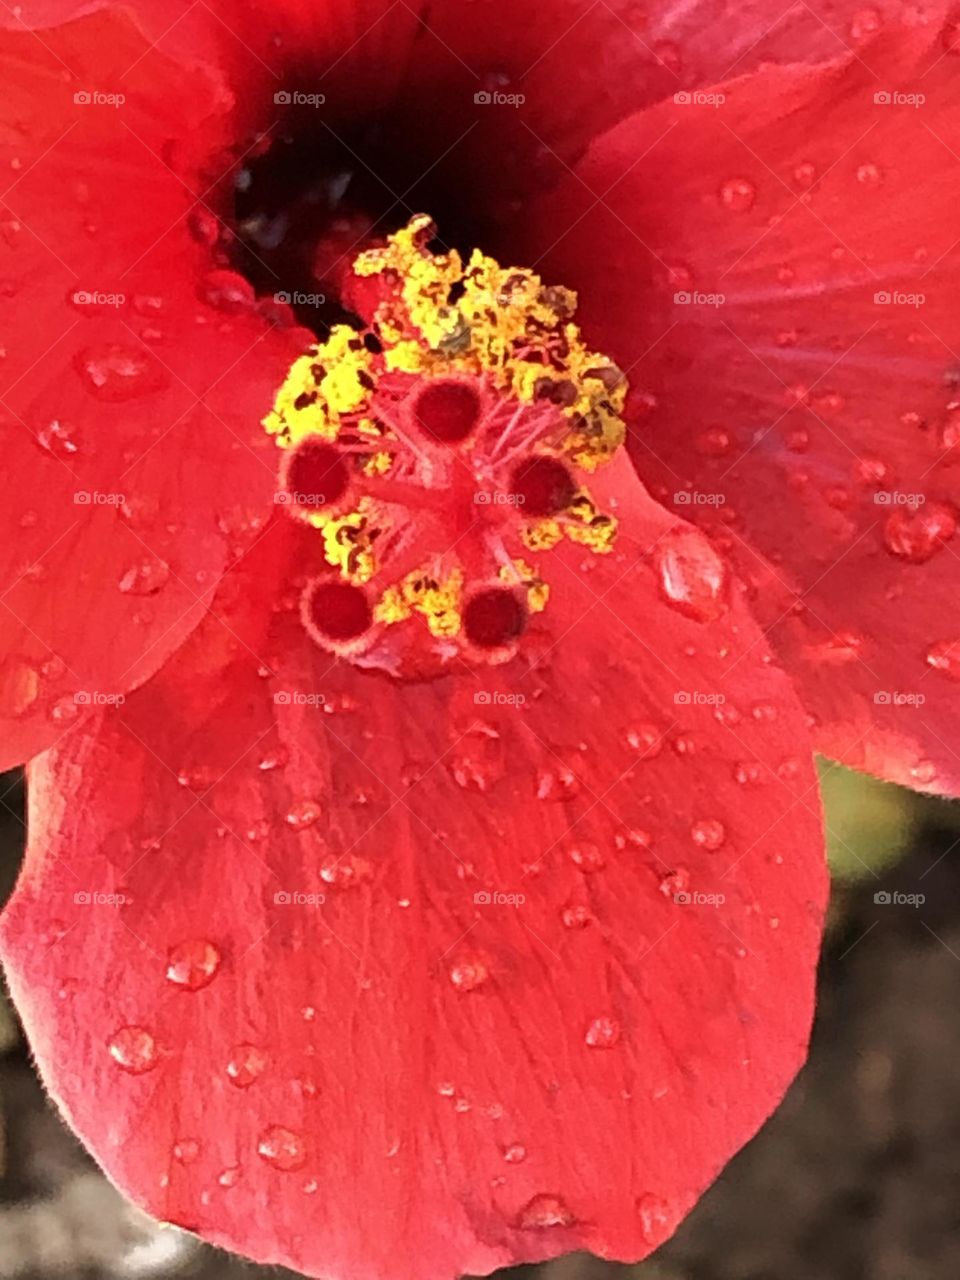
[(436, 450)]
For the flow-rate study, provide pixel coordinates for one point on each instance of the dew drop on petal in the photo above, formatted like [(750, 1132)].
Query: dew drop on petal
[(588, 857), (468, 975), (227, 291), (303, 814), (868, 175), (944, 656), (282, 1148), (545, 1211), (738, 194), (692, 577), (193, 964), (645, 739), (229, 1177), (603, 1033), (576, 917), (59, 439), (916, 535), (134, 1049), (515, 1153), (246, 1063), (145, 578), (655, 1217), (186, 1150), (116, 373), (708, 833)]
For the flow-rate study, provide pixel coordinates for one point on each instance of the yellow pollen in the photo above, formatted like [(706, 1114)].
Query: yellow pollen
[(511, 336)]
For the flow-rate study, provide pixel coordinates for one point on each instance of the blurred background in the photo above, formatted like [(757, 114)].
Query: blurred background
[(855, 1178)]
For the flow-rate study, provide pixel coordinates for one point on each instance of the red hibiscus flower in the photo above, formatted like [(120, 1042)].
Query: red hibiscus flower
[(425, 869)]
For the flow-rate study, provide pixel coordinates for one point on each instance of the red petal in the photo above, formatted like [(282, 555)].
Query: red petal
[(372, 1059), (746, 252), (131, 398)]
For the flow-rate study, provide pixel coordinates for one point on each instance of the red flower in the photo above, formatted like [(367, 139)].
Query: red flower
[(421, 879)]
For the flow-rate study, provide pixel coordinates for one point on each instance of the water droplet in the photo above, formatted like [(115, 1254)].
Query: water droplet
[(655, 1217), (645, 739), (65, 710), (603, 1033), (944, 656), (134, 1049), (282, 1148), (476, 761), (59, 439), (868, 175), (515, 1153), (692, 576), (865, 23), (918, 534), (468, 975), (677, 881), (193, 964), (708, 833), (116, 373), (576, 917), (204, 227), (229, 1177), (738, 194), (805, 174), (545, 1211), (303, 814), (587, 857), (186, 1150), (557, 783), (247, 1063), (145, 578), (227, 291)]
